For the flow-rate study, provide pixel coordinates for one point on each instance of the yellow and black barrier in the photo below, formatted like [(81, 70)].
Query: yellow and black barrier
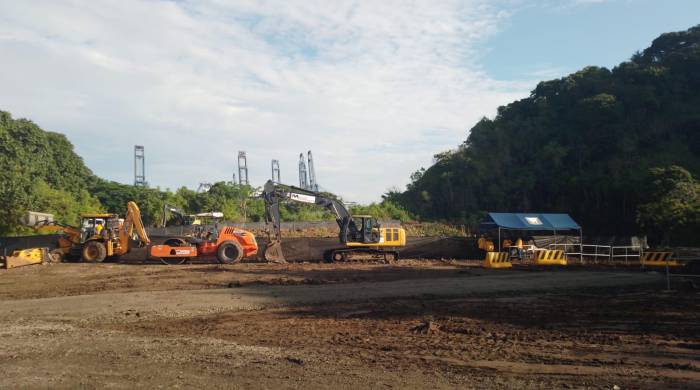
[(550, 257), (497, 260), (658, 259)]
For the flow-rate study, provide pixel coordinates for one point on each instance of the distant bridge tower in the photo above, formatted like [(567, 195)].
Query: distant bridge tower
[(303, 182), (313, 185), (139, 166), (234, 178), (276, 171), (242, 168)]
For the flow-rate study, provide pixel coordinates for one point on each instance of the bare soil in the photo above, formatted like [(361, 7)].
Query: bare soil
[(416, 324)]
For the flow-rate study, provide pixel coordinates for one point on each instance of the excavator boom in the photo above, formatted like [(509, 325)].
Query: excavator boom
[(132, 222)]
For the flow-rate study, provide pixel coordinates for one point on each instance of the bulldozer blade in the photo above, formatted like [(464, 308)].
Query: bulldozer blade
[(273, 252)]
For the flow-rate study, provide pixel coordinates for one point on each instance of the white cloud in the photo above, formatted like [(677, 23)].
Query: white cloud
[(374, 89)]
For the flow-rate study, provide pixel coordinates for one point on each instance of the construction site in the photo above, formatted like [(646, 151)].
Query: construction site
[(460, 223), (353, 303)]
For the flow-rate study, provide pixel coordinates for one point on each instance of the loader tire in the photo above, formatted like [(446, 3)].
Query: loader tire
[(229, 252), (94, 252)]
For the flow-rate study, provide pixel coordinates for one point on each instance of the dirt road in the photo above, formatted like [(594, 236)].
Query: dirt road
[(415, 325)]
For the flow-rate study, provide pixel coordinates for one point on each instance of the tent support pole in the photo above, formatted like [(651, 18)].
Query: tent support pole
[(580, 245), (499, 238)]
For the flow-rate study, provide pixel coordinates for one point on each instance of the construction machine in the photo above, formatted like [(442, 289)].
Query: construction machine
[(100, 235), (229, 245), (359, 235), (178, 217), (70, 237)]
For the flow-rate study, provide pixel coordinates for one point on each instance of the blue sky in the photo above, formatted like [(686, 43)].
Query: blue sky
[(554, 38), (373, 88)]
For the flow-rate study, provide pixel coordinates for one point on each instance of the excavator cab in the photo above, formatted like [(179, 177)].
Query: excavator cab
[(366, 229)]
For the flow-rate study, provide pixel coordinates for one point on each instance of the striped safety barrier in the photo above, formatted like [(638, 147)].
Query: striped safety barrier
[(497, 260), (658, 259), (550, 257)]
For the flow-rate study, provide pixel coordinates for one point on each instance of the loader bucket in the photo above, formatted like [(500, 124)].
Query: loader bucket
[(273, 252), (24, 257)]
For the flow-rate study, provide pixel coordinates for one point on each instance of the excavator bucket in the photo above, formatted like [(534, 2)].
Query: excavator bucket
[(273, 252)]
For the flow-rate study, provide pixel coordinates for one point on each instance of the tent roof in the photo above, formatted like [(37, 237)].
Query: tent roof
[(530, 221)]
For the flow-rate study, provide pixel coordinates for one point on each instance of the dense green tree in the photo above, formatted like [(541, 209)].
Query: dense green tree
[(582, 144), (674, 202), (15, 198)]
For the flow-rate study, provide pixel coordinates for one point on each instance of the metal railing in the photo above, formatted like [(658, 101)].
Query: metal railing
[(566, 248), (596, 252), (599, 253), (626, 252)]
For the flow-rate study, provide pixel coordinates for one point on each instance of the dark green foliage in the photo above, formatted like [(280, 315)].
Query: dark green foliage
[(674, 203), (39, 171), (583, 144)]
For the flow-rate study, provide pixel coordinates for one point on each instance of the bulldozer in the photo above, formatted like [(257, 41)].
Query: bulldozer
[(100, 235)]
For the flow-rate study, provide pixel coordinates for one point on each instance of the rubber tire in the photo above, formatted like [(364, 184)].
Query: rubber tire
[(224, 255), (99, 250), (338, 257)]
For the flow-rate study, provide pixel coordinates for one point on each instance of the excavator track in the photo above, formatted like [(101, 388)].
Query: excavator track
[(364, 255)]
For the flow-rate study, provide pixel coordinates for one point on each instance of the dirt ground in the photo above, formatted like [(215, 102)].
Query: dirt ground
[(415, 324)]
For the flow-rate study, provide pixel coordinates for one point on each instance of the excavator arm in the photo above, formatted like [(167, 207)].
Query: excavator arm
[(273, 194), (132, 222), (71, 234)]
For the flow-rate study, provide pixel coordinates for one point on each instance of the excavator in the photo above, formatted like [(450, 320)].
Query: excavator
[(100, 236), (179, 218), (359, 235)]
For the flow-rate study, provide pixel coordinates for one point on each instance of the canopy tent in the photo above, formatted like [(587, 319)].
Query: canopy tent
[(530, 222)]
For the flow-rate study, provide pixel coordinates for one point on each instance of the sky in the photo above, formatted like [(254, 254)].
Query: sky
[(373, 88)]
